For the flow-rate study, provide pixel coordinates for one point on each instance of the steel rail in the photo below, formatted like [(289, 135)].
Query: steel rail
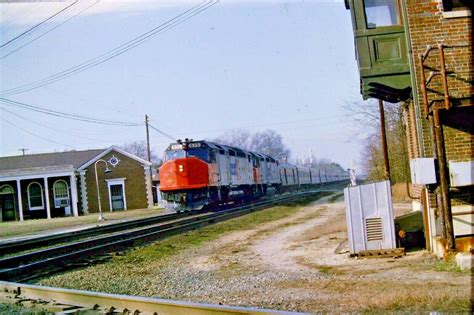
[(83, 301), (42, 241), (31, 264)]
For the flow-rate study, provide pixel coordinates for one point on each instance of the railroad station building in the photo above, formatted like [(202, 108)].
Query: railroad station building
[(419, 53), (64, 184)]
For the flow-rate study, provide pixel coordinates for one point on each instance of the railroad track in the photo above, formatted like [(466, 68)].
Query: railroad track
[(66, 301), (43, 262), (48, 240)]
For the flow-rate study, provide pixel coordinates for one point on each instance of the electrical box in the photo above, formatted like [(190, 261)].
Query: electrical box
[(461, 173), (369, 214), (423, 171)]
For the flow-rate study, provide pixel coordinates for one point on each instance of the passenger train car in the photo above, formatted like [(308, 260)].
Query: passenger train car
[(196, 174)]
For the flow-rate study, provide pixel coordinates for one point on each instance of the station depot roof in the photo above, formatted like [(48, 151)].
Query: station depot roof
[(73, 158), (49, 162)]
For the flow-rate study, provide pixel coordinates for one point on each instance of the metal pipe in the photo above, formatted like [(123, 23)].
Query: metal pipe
[(423, 85), (424, 202), (443, 178), (447, 103), (413, 78), (384, 140), (425, 54), (405, 155)]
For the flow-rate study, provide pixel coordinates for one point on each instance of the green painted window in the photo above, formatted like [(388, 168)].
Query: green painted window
[(35, 196), (6, 189), (60, 189), (382, 13)]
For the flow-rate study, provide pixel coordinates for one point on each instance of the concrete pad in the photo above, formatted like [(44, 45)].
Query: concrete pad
[(465, 261)]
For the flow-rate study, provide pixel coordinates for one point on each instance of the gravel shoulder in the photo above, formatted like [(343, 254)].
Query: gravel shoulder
[(288, 263)]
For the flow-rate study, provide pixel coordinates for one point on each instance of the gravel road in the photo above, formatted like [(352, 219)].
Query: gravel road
[(291, 264)]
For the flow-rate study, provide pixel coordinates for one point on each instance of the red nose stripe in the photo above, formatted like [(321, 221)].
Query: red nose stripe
[(187, 173)]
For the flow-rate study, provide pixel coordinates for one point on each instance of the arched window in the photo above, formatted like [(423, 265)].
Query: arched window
[(6, 189), (61, 193), (35, 196)]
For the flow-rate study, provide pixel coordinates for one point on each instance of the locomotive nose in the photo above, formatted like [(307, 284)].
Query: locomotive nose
[(183, 174)]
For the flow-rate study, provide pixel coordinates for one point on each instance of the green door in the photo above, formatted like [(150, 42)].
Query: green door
[(7, 207)]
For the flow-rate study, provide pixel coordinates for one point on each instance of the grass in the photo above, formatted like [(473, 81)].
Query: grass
[(29, 227), (130, 272), (370, 296)]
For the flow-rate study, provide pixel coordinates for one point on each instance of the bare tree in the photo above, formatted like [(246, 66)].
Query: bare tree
[(366, 117), (138, 148), (271, 143), (267, 142), (236, 137)]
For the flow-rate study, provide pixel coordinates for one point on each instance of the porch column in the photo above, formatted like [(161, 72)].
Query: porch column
[(46, 194), (20, 201), (85, 207), (73, 184)]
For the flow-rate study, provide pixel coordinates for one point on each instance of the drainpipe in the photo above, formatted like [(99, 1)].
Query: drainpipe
[(411, 62), (403, 137)]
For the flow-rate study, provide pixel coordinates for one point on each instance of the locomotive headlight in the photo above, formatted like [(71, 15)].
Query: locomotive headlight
[(181, 168)]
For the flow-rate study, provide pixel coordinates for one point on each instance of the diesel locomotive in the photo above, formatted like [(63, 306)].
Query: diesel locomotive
[(196, 174)]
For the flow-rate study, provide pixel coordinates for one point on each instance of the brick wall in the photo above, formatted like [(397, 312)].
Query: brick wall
[(428, 26), (135, 186)]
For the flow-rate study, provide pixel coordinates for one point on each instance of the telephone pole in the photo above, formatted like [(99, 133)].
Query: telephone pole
[(23, 150), (147, 139), (384, 140)]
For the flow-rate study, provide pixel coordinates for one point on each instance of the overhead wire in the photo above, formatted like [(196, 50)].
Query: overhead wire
[(37, 25), (162, 132), (54, 129), (69, 115), (169, 24), (50, 30), (33, 134)]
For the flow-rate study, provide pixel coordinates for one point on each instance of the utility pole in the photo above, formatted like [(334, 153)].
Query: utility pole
[(384, 140), (23, 150), (147, 139)]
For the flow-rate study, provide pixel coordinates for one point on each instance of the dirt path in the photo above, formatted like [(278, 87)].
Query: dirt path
[(291, 264), (288, 263)]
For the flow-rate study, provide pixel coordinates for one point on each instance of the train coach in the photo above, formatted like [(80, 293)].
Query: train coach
[(196, 174)]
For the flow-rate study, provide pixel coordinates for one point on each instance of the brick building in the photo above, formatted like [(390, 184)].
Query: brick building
[(63, 184), (419, 53)]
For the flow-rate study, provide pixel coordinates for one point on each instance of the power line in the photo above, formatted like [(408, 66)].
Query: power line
[(171, 23), (54, 129), (37, 25), (33, 134), (161, 132), (50, 30), (68, 115)]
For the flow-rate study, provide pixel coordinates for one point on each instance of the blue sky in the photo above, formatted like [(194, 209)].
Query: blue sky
[(256, 65)]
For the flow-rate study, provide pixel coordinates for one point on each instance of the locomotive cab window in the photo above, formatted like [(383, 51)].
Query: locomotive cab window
[(200, 153), (174, 154), (382, 13)]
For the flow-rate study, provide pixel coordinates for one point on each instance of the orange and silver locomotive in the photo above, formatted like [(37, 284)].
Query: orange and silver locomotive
[(200, 173), (196, 174)]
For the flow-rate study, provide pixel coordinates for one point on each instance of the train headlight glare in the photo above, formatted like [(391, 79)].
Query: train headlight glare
[(181, 168)]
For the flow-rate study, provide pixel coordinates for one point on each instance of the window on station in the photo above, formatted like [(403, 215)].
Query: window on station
[(457, 5), (61, 193), (35, 196), (382, 13)]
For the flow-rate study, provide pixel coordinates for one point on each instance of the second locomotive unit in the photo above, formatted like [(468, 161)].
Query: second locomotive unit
[(200, 173)]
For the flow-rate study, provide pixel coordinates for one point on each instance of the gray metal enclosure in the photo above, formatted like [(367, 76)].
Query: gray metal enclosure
[(369, 215)]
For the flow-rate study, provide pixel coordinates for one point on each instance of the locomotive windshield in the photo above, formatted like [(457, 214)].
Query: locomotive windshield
[(200, 153)]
